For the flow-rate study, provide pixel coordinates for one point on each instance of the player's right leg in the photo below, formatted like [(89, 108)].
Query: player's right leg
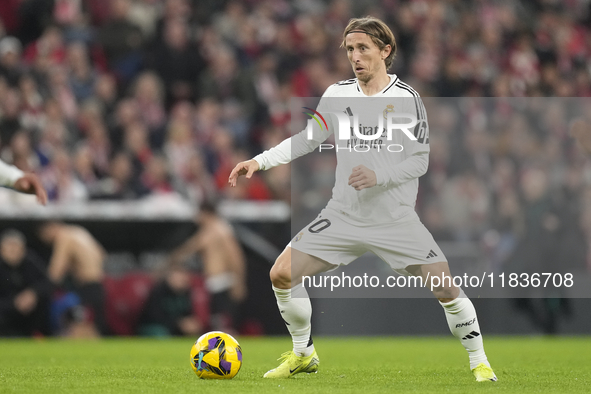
[(460, 315), (296, 310)]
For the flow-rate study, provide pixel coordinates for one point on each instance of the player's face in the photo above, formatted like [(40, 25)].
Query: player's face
[(366, 58)]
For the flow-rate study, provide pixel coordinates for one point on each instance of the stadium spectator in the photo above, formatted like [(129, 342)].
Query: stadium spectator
[(137, 144), (197, 182), (120, 184), (225, 81), (83, 166), (122, 42), (20, 152), (97, 140), (49, 48), (76, 254), (60, 88), (155, 177), (148, 93), (10, 123), (59, 179), (177, 61), (105, 93), (25, 290), (10, 60), (82, 76), (537, 250), (169, 309), (174, 10)]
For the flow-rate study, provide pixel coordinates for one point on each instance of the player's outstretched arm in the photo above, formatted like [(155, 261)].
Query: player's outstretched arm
[(243, 168), (29, 183)]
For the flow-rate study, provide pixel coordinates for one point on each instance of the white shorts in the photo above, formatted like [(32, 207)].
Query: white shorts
[(338, 239)]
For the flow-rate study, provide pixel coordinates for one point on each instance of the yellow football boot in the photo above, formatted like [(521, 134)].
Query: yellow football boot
[(292, 364), (482, 373)]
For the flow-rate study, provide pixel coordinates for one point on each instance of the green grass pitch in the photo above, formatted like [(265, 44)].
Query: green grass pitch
[(348, 365)]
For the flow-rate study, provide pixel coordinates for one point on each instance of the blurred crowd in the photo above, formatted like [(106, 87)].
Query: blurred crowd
[(120, 99)]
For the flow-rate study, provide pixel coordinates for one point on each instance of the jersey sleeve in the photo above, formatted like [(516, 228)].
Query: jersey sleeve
[(417, 162), (9, 174), (299, 144)]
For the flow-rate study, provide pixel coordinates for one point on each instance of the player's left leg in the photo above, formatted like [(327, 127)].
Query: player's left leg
[(461, 316)]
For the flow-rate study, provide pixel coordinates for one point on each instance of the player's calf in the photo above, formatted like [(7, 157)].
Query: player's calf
[(463, 324)]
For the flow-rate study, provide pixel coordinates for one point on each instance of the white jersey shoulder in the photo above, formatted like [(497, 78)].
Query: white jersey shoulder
[(350, 88), (344, 88)]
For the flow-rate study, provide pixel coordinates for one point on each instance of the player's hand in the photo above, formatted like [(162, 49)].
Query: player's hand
[(30, 184), (243, 168), (25, 301), (362, 178)]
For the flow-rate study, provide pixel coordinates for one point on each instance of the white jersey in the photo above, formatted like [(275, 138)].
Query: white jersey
[(9, 174), (397, 170)]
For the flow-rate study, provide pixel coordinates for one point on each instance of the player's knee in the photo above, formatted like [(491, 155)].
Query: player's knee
[(446, 294), (281, 273)]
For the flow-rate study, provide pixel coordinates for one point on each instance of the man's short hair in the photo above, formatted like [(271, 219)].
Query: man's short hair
[(209, 205), (378, 31), (13, 234)]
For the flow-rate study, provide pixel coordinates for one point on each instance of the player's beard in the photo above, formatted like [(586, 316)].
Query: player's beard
[(365, 77)]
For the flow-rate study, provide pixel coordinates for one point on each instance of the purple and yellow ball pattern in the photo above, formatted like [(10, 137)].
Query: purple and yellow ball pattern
[(216, 355)]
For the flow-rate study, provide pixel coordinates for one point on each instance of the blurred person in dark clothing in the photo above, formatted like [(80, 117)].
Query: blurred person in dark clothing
[(11, 67), (169, 310), (121, 41), (33, 16), (10, 124), (126, 113), (77, 254), (538, 250), (177, 61), (105, 92), (25, 289), (120, 184), (174, 10), (82, 75), (136, 142), (224, 80)]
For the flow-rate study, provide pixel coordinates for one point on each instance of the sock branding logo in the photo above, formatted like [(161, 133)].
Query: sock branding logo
[(466, 324), (472, 334)]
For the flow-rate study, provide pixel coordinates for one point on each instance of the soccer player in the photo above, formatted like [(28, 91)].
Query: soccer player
[(78, 254), (24, 182), (373, 195), (224, 265)]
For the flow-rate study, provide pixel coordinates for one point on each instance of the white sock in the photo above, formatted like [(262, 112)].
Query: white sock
[(463, 324), (296, 311)]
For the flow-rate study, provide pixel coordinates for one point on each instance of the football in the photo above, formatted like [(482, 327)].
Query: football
[(216, 355)]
